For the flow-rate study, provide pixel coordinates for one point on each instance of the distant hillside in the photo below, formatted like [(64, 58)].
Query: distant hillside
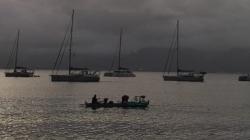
[(150, 59)]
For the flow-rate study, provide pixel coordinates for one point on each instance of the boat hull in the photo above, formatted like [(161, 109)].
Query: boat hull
[(244, 78), (115, 74), (184, 78), (19, 74), (118, 105), (74, 78)]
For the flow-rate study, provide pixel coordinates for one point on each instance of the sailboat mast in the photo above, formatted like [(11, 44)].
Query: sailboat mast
[(17, 47), (120, 47), (177, 46), (71, 39)]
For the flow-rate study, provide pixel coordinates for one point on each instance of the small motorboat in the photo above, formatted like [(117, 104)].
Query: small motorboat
[(138, 102), (244, 77)]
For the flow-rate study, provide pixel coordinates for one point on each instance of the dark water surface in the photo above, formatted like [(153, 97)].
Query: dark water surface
[(35, 108)]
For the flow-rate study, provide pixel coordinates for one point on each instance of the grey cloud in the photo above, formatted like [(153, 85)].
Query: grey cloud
[(205, 24)]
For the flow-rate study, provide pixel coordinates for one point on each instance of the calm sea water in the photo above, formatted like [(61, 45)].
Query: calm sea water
[(35, 108)]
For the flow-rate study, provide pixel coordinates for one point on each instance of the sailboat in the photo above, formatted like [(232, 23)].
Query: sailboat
[(245, 77), (18, 71), (74, 74), (120, 71), (181, 74)]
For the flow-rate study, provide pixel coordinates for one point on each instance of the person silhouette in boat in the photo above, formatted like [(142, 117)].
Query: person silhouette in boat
[(94, 100), (125, 99), (105, 101)]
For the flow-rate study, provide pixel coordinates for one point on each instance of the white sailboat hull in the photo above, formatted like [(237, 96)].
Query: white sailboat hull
[(19, 74), (184, 78), (117, 74), (244, 78), (75, 78)]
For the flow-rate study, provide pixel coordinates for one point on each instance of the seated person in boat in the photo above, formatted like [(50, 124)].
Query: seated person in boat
[(105, 100), (140, 98), (111, 102), (125, 99), (94, 100)]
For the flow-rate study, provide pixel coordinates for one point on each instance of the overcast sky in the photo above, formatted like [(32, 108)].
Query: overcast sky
[(204, 24)]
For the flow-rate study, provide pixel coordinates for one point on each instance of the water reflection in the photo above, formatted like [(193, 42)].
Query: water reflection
[(38, 109)]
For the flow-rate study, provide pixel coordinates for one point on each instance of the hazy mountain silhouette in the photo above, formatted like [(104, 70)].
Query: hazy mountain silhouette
[(148, 59)]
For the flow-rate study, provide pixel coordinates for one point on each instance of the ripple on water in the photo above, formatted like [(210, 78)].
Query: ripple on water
[(177, 110)]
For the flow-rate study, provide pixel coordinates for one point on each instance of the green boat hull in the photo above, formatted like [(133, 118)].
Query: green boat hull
[(119, 105)]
